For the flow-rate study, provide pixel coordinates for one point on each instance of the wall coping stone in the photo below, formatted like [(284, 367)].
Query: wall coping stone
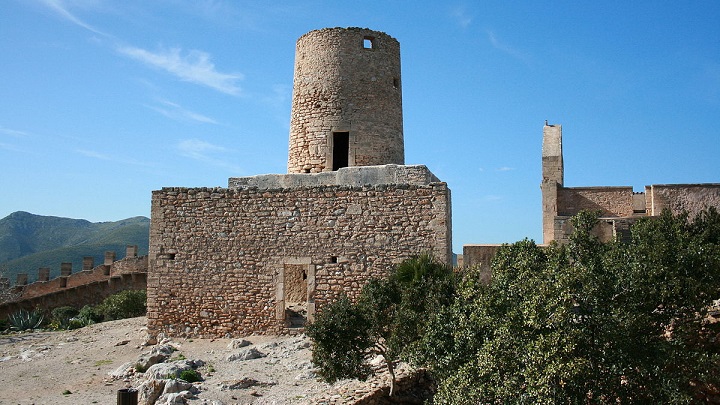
[(348, 176)]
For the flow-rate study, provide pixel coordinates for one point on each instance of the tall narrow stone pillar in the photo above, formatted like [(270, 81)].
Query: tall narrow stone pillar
[(109, 258), (44, 274), (552, 178), (131, 251), (65, 269), (88, 263), (22, 279)]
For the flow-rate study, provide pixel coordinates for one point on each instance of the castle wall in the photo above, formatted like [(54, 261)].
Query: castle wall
[(480, 256), (346, 80), (611, 201), (220, 258), (682, 197), (87, 287)]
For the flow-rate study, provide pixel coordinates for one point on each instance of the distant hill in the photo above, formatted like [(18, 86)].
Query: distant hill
[(28, 242)]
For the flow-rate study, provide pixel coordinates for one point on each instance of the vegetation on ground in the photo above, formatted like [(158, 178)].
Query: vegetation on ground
[(388, 320), (125, 304), (582, 322), (25, 320)]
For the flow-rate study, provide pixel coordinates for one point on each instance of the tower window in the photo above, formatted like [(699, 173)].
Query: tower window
[(396, 82), (368, 42)]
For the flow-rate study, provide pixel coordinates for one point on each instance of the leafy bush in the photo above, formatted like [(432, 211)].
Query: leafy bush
[(24, 320), (89, 315), (585, 322), (190, 376), (388, 320), (60, 317), (125, 304)]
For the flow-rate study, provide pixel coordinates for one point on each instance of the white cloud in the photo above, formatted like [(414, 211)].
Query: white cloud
[(176, 112), (505, 169), (60, 8), (195, 67), (111, 158), (93, 154), (461, 16), (500, 46), (9, 147), (13, 132), (206, 152)]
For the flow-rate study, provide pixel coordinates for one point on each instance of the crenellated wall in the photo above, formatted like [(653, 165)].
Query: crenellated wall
[(87, 287)]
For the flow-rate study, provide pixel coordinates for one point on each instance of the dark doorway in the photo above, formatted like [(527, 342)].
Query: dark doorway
[(341, 149)]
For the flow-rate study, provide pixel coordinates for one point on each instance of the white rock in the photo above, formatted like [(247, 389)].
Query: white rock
[(247, 354)]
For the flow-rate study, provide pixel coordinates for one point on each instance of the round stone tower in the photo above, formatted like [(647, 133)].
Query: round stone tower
[(347, 101)]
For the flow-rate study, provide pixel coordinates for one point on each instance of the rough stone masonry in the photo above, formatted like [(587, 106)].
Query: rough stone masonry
[(266, 253)]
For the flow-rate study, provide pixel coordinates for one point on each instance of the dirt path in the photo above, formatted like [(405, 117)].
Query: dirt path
[(72, 367)]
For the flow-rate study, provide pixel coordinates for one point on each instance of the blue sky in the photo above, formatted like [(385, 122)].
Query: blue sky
[(104, 101)]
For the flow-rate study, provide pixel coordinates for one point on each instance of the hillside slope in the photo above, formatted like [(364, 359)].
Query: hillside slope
[(29, 241)]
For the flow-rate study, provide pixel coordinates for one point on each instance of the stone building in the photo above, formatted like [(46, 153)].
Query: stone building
[(265, 253), (619, 206)]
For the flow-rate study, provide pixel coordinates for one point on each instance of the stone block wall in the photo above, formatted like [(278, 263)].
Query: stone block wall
[(480, 256), (611, 201), (682, 197), (220, 258)]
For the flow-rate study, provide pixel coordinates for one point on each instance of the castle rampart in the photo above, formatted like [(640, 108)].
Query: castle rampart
[(87, 287)]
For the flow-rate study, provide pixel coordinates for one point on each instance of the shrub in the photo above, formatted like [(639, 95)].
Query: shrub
[(90, 315), (24, 320), (125, 304), (190, 376), (60, 317)]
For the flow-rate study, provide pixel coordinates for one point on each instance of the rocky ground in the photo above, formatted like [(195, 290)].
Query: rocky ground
[(90, 365)]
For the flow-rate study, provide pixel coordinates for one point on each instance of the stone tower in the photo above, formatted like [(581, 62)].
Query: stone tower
[(347, 101), (552, 177)]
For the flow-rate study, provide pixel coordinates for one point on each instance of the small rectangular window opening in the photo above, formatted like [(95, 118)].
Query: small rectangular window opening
[(396, 82), (333, 259), (368, 42)]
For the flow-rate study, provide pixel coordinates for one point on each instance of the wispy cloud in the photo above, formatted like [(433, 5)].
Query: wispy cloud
[(505, 169), (13, 132), (502, 47), (176, 112), (93, 154), (195, 67), (492, 198), (110, 158), (461, 16), (9, 147), (61, 8), (205, 152)]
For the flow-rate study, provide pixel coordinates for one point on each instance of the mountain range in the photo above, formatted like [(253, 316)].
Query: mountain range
[(29, 241)]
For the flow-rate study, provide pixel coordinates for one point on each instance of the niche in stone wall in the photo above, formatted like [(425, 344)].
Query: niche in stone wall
[(295, 284)]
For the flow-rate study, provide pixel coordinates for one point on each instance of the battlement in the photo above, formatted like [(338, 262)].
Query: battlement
[(87, 287)]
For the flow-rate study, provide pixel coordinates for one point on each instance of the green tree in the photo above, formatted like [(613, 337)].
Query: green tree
[(585, 322), (388, 320)]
